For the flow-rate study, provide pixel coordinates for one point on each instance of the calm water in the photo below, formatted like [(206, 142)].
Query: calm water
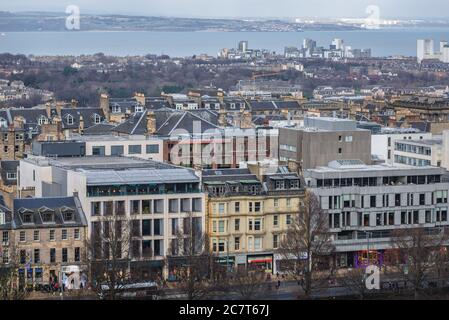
[(382, 42)]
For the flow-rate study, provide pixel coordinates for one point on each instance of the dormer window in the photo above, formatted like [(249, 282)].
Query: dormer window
[(2, 218), (97, 119), (42, 120), (294, 184), (116, 109), (280, 184), (232, 105), (47, 214), (69, 119), (138, 108), (3, 123), (27, 217), (68, 214)]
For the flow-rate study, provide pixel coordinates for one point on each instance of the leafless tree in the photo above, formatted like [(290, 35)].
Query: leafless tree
[(306, 243), (354, 279), (421, 251), (110, 255), (9, 278), (247, 284), (195, 276)]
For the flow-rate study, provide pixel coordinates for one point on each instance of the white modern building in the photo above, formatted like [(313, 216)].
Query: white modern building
[(159, 200), (366, 203), (132, 146), (382, 144)]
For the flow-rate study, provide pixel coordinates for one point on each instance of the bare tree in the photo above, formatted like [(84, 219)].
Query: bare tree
[(354, 279), (306, 243), (195, 276), (247, 284), (420, 252), (110, 255), (9, 278)]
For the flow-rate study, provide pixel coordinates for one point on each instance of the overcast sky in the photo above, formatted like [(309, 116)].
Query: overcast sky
[(241, 8)]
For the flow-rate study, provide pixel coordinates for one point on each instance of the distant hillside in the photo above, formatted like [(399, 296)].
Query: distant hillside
[(45, 21)]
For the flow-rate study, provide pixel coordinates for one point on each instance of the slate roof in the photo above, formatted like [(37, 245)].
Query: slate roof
[(8, 166), (167, 121), (57, 204), (87, 113)]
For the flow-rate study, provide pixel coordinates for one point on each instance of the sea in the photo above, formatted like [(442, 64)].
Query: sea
[(382, 42)]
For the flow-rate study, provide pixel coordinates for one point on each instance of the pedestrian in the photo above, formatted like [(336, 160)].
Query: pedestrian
[(279, 284)]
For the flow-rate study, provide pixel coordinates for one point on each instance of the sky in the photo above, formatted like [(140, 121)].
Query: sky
[(241, 8)]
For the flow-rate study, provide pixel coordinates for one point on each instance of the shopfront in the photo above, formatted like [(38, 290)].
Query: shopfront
[(364, 258), (260, 262)]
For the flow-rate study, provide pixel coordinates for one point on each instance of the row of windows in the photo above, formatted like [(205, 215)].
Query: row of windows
[(412, 148), (388, 200), (343, 219), (253, 206), (254, 243), (108, 208), (119, 150), (375, 181), (411, 161), (254, 224), (34, 256), (51, 235)]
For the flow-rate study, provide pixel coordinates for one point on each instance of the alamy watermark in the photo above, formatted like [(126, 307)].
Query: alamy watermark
[(72, 21)]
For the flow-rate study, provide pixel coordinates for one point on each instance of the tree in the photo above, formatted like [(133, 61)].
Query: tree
[(9, 278), (306, 242), (195, 274), (421, 253), (354, 279), (110, 255), (247, 284)]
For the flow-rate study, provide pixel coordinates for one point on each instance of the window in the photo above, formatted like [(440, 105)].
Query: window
[(221, 226), (77, 254), (135, 149), (275, 241), (37, 256), (237, 206), (52, 255), (64, 255), (42, 120), (117, 150), (96, 208), (275, 220), (69, 119), (36, 235), (289, 201), (5, 237), (339, 150), (428, 217), (152, 148), (257, 243), (422, 199), (221, 208), (22, 236), (97, 118), (236, 243), (276, 203), (11, 176), (52, 235), (146, 227), (397, 199), (372, 201), (2, 218), (237, 224), (348, 139), (221, 246), (288, 219), (5, 258), (98, 151), (64, 234), (76, 234)]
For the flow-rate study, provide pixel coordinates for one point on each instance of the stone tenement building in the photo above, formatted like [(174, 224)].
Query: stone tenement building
[(44, 238)]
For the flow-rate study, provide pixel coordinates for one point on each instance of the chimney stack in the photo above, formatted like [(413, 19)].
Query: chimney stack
[(104, 105), (246, 120), (222, 118), (151, 123), (140, 98)]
